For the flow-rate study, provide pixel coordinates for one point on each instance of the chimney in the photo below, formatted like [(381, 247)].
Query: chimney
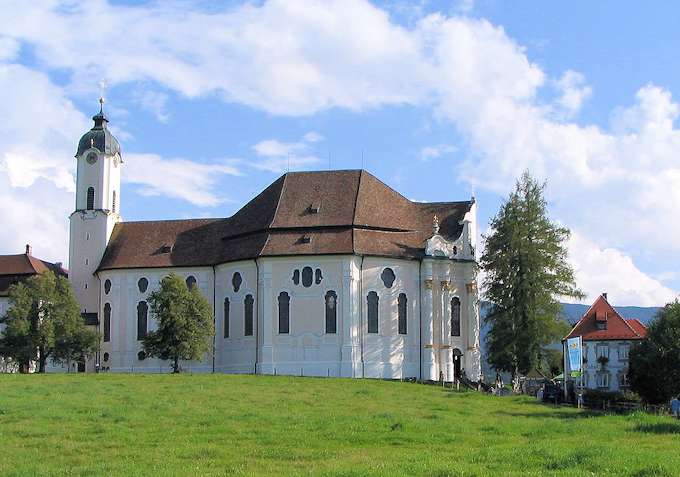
[(28, 249), (604, 295)]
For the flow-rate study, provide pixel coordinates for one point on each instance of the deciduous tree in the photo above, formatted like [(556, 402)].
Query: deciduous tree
[(526, 267), (185, 323), (43, 321), (655, 362)]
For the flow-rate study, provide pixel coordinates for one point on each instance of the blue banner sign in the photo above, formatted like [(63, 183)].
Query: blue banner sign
[(574, 350)]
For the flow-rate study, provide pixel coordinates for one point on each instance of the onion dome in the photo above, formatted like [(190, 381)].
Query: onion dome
[(99, 136)]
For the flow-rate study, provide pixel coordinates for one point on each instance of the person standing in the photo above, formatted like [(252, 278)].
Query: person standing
[(675, 407)]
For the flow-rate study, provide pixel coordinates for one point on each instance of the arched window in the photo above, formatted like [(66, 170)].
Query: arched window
[(455, 316), (331, 312), (296, 277), (284, 313), (307, 277), (248, 309), (107, 286), (90, 198), (372, 300), (107, 323), (318, 276), (226, 317), (142, 312), (388, 277), (236, 281), (402, 301), (191, 282), (106, 357), (142, 284), (113, 202)]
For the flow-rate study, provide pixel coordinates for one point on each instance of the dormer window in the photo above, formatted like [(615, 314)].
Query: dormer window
[(305, 239), (314, 208)]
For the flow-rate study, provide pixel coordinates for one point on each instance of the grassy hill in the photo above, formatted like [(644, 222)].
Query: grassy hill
[(258, 425)]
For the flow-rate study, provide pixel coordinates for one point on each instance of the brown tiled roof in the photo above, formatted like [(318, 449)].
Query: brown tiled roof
[(15, 268), (617, 328), (301, 213)]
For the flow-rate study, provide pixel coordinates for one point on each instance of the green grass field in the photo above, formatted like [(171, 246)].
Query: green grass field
[(257, 425)]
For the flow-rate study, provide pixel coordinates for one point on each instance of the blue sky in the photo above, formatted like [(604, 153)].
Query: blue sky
[(211, 99)]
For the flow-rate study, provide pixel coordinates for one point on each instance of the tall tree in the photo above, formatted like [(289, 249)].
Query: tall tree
[(43, 321), (526, 267), (655, 362), (185, 323)]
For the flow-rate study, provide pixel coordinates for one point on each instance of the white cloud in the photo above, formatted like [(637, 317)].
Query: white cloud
[(38, 139), (274, 147), (180, 178), (433, 152), (573, 91), (277, 156), (9, 48), (274, 56), (609, 270), (155, 102), (312, 136), (36, 162)]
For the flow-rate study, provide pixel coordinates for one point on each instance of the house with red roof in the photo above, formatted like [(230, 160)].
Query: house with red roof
[(607, 338), (20, 267)]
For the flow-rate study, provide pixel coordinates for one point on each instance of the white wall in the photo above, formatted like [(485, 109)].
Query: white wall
[(307, 349), (235, 354), (615, 367), (90, 230), (389, 354), (124, 296)]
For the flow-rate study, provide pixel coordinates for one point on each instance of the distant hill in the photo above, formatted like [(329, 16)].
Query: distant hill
[(573, 312)]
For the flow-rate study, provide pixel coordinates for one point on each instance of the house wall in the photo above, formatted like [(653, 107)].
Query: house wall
[(615, 368)]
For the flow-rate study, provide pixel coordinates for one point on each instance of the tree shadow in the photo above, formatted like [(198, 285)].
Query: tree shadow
[(659, 428), (554, 414)]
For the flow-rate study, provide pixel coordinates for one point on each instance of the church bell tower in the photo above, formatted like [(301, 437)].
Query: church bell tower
[(97, 208)]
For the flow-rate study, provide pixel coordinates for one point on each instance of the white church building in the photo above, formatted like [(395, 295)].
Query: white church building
[(327, 273)]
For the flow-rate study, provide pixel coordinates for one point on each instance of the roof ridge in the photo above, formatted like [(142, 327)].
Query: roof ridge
[(354, 212), (169, 220)]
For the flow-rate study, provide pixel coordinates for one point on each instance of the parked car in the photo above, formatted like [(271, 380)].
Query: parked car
[(552, 393)]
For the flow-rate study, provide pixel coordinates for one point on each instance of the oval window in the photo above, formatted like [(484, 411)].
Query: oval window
[(106, 357), (107, 286), (388, 277), (307, 277), (236, 281), (143, 284)]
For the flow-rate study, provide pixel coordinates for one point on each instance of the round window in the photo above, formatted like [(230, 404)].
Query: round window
[(141, 356), (91, 157)]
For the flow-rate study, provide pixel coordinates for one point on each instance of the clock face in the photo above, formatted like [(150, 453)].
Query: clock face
[(92, 157)]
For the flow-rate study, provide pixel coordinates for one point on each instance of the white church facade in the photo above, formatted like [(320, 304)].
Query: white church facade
[(322, 274)]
